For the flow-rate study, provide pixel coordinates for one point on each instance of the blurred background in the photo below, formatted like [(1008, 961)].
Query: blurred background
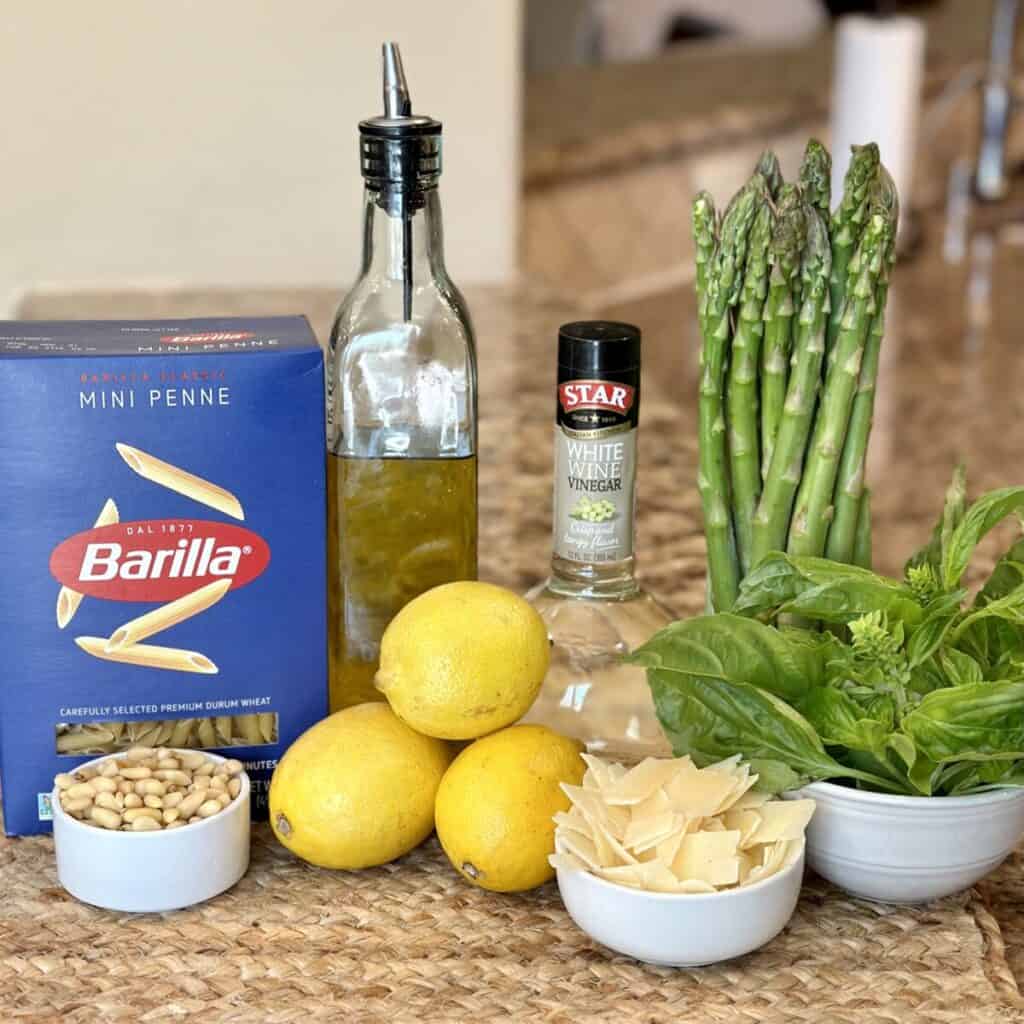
[(213, 146)]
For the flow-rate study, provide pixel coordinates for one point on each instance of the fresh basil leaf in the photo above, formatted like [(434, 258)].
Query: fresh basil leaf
[(982, 516), (1009, 608), (923, 773), (1006, 576), (960, 668), (736, 649), (840, 721), (975, 722), (715, 718), (927, 677), (927, 636), (817, 588)]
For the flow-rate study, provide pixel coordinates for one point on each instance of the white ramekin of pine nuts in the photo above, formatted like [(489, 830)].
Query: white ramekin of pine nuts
[(151, 829)]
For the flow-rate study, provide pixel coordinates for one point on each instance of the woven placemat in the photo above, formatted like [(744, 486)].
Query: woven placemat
[(412, 942)]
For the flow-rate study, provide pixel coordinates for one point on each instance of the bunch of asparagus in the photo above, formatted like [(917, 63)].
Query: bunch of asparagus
[(791, 304)]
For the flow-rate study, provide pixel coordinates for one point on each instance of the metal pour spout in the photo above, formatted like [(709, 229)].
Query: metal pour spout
[(396, 90)]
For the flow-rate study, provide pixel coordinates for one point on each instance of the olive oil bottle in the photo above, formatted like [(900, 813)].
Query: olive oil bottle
[(401, 402)]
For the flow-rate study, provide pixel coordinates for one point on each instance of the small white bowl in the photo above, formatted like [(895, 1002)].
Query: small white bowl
[(909, 849), (681, 929), (147, 872)]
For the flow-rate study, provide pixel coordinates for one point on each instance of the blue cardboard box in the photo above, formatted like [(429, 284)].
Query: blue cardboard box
[(163, 531)]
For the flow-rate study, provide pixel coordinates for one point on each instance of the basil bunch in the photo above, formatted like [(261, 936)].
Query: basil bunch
[(907, 690)]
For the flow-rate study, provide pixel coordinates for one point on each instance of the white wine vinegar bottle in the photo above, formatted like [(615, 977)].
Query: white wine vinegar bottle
[(595, 609), (402, 415)]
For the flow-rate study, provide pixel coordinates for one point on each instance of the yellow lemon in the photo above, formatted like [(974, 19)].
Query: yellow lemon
[(496, 802), (357, 789), (463, 660)]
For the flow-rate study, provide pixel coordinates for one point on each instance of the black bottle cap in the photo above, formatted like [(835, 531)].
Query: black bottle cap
[(589, 348)]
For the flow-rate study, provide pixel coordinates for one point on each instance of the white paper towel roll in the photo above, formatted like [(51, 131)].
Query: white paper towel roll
[(877, 94)]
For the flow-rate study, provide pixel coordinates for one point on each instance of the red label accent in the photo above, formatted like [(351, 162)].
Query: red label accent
[(202, 339), (596, 394), (158, 559)]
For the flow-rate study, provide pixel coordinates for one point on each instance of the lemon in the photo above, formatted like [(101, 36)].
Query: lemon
[(496, 802), (357, 789), (463, 660)]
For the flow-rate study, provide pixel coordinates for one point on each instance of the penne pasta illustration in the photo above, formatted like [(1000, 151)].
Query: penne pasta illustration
[(167, 615), (181, 481), (68, 600), (148, 656)]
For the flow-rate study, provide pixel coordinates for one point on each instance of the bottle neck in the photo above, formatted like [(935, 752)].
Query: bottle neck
[(402, 236)]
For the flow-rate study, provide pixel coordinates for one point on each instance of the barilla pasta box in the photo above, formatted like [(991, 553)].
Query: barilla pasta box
[(162, 531)]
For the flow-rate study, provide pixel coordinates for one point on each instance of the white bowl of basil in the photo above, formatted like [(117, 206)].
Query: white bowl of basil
[(909, 849), (897, 704)]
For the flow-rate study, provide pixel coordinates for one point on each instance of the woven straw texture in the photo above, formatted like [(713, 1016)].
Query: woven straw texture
[(411, 941)]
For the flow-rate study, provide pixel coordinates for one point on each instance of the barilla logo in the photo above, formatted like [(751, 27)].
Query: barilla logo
[(596, 394), (202, 339), (158, 559)]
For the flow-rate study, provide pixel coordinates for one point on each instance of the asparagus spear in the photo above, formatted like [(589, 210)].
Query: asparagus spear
[(741, 396), (771, 522), (769, 169), (842, 535), (847, 224), (723, 287), (816, 177), (704, 243), (862, 554), (787, 243), (812, 516)]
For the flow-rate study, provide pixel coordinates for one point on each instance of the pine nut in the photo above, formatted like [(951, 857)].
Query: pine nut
[(219, 784), (173, 799), (140, 772), (174, 777), (174, 824), (150, 800), (133, 800), (209, 809), (138, 754), (126, 786), (191, 804), (167, 764), (107, 800), (135, 813), (233, 766), (145, 825), (79, 790), (192, 761), (77, 807), (234, 787), (153, 787), (223, 799), (103, 784), (64, 781), (206, 768), (105, 817), (171, 814), (201, 782)]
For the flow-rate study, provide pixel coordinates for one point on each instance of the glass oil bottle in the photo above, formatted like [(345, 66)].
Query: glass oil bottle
[(402, 409)]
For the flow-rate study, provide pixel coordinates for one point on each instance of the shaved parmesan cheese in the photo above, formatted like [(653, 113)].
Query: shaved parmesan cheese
[(783, 819), (708, 857), (669, 826), (640, 782)]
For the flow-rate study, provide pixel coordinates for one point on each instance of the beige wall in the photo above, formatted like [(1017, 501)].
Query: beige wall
[(213, 142)]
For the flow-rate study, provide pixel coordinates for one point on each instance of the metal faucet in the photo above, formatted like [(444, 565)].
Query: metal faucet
[(997, 103)]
